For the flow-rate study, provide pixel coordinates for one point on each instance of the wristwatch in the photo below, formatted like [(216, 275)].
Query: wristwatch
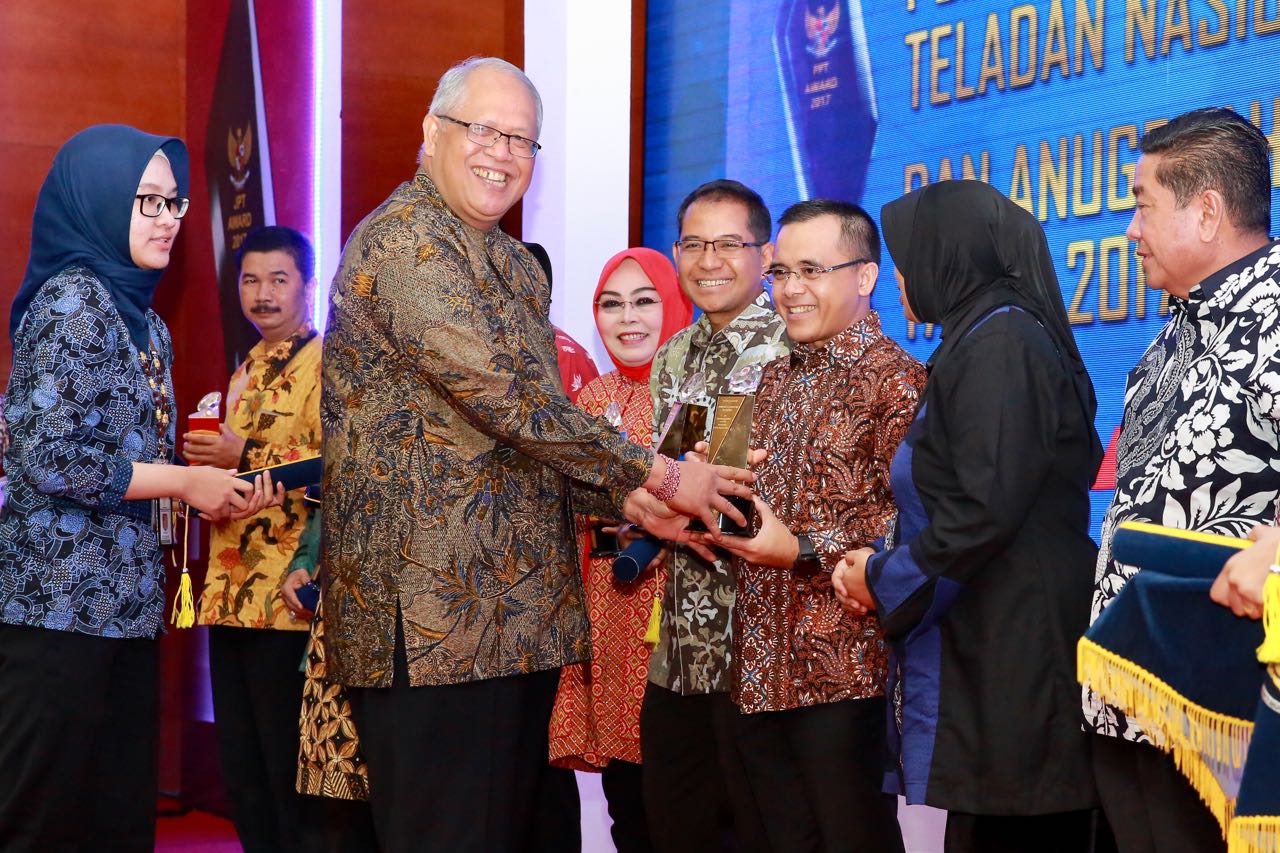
[(807, 560)]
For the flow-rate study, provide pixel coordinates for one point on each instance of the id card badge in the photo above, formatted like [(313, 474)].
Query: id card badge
[(164, 520), (162, 513)]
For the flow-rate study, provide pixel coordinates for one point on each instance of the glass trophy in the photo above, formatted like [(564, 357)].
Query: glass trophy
[(820, 47), (686, 423), (208, 414), (731, 438)]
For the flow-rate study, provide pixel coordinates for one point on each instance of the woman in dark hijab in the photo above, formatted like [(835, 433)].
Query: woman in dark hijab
[(90, 411), (984, 585)]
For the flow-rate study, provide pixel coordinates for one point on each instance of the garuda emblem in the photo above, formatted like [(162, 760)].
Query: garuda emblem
[(820, 30), (239, 149)]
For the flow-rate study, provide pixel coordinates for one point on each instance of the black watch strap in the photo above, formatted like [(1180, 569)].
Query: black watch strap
[(807, 559)]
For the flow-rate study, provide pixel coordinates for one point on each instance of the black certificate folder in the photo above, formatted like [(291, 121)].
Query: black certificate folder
[(295, 475)]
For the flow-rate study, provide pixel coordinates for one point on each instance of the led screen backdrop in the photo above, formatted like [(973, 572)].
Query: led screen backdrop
[(1045, 100)]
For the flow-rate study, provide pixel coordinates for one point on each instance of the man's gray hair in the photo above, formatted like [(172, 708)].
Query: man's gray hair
[(452, 87)]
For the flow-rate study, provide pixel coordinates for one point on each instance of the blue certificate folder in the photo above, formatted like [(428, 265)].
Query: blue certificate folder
[(1174, 552), (294, 475)]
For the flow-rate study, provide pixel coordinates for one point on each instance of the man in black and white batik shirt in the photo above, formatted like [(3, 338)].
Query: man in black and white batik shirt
[(1199, 446)]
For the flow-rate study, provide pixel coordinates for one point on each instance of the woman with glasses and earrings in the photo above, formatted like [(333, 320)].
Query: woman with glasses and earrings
[(983, 585), (90, 409), (595, 725)]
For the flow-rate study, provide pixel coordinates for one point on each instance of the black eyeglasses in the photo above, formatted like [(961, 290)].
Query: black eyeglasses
[(808, 272), (482, 134), (724, 248), (150, 204)]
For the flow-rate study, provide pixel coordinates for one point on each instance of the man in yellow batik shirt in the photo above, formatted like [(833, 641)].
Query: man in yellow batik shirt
[(256, 641)]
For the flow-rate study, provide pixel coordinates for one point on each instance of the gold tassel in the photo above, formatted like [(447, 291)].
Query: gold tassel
[(1269, 651), (1254, 834), (654, 632), (184, 605), (1194, 735), (184, 608)]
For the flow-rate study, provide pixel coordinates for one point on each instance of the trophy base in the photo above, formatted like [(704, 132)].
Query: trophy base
[(729, 527), (603, 544)]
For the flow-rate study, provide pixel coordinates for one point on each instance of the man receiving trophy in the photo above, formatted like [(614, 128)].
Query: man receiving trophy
[(827, 419), (690, 775)]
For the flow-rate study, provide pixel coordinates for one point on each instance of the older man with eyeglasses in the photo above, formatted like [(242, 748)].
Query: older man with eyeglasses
[(454, 464)]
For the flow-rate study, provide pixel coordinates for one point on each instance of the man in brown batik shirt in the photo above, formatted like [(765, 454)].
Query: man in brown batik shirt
[(807, 675), (451, 456)]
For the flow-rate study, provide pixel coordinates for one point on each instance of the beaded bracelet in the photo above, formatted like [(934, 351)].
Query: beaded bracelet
[(670, 481)]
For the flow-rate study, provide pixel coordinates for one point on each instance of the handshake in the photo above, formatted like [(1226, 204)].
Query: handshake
[(677, 493)]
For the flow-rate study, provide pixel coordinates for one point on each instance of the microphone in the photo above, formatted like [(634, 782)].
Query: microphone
[(628, 565)]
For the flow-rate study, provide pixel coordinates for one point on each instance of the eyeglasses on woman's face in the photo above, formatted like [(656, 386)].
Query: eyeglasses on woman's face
[(643, 304), (151, 204)]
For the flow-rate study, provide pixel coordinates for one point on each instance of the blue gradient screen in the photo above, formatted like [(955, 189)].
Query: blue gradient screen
[(1047, 101)]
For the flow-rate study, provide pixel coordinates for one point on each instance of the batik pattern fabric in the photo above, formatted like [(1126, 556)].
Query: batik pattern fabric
[(330, 763), (1200, 436), (830, 419), (273, 402), (596, 717), (74, 554), (696, 632), (576, 367), (450, 454)]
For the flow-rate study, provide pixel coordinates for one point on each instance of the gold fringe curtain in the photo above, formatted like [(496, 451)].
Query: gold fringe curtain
[(1197, 737)]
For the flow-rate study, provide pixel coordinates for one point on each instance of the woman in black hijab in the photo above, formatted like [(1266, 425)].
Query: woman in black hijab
[(90, 412), (983, 588)]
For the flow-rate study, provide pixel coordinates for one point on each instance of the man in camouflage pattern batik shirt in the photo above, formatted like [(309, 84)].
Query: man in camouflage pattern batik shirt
[(721, 254)]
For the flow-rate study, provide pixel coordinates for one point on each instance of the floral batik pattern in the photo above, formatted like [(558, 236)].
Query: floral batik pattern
[(453, 459), (330, 763), (696, 634), (74, 554), (830, 419), (1199, 445), (273, 403), (576, 367)]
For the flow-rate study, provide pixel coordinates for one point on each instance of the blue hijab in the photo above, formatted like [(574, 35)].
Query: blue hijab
[(83, 215)]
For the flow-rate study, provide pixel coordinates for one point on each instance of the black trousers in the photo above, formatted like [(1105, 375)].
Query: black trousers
[(331, 825), (695, 787), (1151, 807), (458, 767), (816, 775), (77, 742), (257, 700), (623, 784), (557, 816), (1062, 832)]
